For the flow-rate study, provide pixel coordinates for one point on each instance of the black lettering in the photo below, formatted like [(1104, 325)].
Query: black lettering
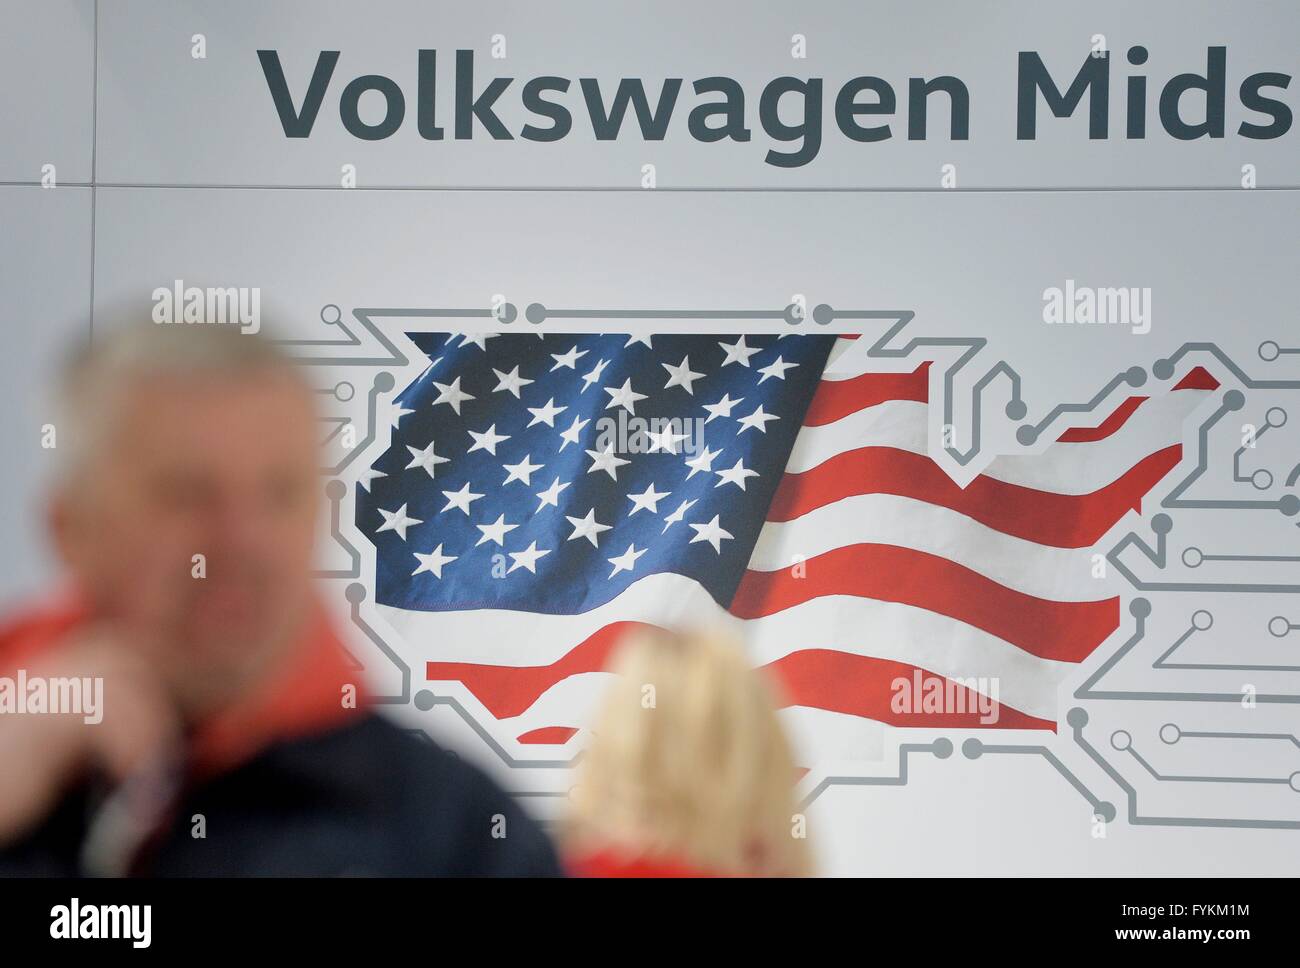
[(469, 107), (558, 113), (297, 124), (606, 125), (1093, 77)]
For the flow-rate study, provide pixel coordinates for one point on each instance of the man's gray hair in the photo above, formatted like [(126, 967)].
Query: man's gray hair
[(96, 373)]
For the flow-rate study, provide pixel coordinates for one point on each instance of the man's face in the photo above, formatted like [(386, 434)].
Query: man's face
[(213, 465)]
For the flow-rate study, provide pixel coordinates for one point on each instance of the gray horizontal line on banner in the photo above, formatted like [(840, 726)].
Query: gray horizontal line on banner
[(648, 191)]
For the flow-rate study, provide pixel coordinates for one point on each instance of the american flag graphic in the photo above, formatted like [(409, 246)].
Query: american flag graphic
[(543, 494)]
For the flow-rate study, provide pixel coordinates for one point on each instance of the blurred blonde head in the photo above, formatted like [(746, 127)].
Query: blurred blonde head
[(688, 762)]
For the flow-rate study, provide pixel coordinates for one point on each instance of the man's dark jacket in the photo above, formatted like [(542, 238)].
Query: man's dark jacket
[(292, 786)]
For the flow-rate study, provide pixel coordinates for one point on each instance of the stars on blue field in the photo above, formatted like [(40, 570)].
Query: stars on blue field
[(549, 473)]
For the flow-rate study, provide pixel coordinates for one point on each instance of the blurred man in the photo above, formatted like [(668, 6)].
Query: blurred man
[(229, 740)]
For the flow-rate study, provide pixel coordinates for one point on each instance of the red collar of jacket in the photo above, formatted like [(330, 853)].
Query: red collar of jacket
[(614, 863), (304, 694)]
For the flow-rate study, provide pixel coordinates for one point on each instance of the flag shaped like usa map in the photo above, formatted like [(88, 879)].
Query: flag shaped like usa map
[(543, 494)]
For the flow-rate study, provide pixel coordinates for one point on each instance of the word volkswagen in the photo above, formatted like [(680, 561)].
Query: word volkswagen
[(790, 109)]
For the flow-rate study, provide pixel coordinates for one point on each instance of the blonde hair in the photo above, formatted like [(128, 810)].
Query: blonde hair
[(688, 762)]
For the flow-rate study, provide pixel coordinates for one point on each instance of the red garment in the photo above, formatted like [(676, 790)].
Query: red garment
[(303, 695), (612, 863)]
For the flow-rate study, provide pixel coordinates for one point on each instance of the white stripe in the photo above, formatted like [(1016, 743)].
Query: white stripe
[(1156, 424), (516, 638), (848, 358), (1056, 574), (1062, 468), (822, 737), (571, 702), (815, 735), (844, 364), (886, 630), (902, 424), (905, 633)]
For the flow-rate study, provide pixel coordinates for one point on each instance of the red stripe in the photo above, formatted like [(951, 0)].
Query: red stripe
[(509, 690), (835, 399), (1066, 631), (890, 692), (1060, 520), (1198, 378), (866, 686), (1087, 435), (817, 678), (547, 735)]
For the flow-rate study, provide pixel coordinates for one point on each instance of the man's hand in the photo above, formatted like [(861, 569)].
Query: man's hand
[(41, 755)]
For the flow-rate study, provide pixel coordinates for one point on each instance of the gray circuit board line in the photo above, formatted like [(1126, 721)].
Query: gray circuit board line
[(335, 491), (1209, 734), (1078, 718), (1140, 608), (1174, 778), (1163, 661), (941, 749), (974, 748)]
